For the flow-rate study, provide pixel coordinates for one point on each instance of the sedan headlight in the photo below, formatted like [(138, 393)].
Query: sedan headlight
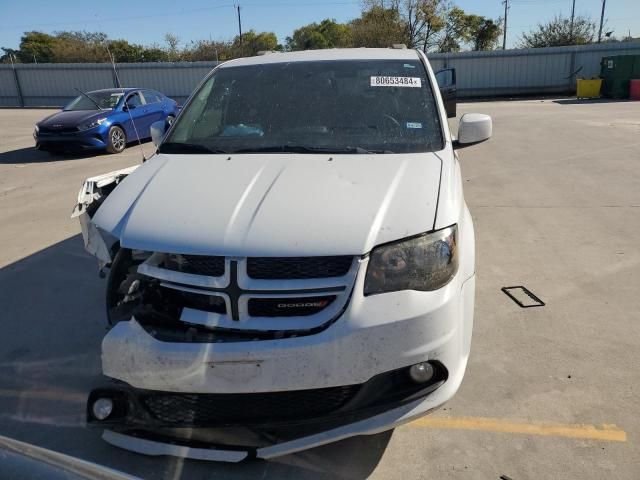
[(426, 262), (36, 128), (93, 124)]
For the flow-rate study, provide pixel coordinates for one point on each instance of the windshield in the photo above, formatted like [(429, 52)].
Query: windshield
[(106, 101), (350, 106)]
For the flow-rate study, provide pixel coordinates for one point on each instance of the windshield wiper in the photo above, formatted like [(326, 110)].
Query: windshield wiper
[(309, 149), (89, 97), (177, 147)]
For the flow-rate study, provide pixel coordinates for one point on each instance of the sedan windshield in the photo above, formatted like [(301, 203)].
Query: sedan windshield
[(311, 107), (105, 100)]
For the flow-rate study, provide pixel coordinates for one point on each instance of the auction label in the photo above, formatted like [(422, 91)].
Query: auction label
[(415, 82)]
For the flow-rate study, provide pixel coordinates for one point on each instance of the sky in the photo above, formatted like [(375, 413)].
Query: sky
[(146, 21)]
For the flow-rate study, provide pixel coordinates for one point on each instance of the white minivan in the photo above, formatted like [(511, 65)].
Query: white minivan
[(294, 265)]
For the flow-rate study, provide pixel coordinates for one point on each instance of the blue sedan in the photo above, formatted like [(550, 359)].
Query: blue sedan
[(104, 120)]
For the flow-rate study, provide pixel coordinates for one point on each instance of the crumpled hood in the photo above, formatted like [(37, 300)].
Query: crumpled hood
[(272, 204), (72, 118)]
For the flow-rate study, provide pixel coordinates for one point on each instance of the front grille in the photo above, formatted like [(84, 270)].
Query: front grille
[(202, 409), (288, 307), (196, 264), (58, 130), (298, 268), (207, 303)]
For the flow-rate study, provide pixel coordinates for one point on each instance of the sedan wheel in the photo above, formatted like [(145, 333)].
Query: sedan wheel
[(117, 140)]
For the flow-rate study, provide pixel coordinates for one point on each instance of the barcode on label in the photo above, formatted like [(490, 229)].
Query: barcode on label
[(415, 82)]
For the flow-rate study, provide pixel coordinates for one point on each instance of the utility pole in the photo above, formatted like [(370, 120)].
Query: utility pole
[(504, 32), (604, 2), (240, 29), (573, 10)]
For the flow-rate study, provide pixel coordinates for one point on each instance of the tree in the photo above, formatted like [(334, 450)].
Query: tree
[(378, 27), (154, 54), (73, 46), (124, 51), (558, 32), (9, 55), (483, 33), (36, 46), (428, 20), (455, 32), (172, 42), (421, 20), (327, 34), (208, 50), (253, 42)]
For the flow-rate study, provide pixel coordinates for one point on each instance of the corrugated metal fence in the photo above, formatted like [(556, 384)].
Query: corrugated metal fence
[(52, 84), (508, 72), (527, 71)]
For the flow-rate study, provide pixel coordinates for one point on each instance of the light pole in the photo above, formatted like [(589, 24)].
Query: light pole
[(504, 33), (573, 10), (604, 2), (240, 29)]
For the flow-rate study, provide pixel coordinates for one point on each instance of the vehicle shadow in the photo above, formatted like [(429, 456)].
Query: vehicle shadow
[(53, 322), (589, 101), (31, 155), (24, 155)]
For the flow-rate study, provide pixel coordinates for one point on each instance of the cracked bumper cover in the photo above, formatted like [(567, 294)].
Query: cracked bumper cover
[(369, 426), (361, 345)]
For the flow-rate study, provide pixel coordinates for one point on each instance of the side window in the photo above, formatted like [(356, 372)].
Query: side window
[(446, 78), (134, 100), (150, 96)]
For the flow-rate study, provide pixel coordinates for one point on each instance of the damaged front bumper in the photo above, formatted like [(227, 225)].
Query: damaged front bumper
[(236, 413), (206, 426), (177, 445)]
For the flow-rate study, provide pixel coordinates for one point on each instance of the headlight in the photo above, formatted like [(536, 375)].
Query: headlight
[(424, 263), (93, 124), (36, 128)]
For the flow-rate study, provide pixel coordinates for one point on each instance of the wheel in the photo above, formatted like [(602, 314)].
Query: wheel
[(116, 140)]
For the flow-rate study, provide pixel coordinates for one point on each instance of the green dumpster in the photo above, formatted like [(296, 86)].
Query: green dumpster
[(616, 72)]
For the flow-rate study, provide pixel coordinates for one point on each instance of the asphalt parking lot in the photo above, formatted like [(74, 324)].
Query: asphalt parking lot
[(550, 392)]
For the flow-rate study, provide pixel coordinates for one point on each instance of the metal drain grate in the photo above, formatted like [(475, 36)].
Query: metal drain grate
[(524, 297)]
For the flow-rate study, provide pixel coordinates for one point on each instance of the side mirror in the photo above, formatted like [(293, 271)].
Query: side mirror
[(473, 128), (157, 132)]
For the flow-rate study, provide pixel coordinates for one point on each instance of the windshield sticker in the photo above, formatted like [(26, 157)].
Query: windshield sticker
[(414, 82), (414, 125)]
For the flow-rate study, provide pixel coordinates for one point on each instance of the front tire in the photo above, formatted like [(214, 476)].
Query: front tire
[(116, 140)]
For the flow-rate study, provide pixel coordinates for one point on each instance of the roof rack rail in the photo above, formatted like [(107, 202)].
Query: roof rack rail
[(399, 46)]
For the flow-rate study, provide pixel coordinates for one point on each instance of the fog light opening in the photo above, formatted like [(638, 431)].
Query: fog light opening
[(102, 408), (421, 372)]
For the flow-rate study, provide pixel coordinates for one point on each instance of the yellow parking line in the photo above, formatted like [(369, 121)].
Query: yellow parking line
[(63, 395), (607, 432)]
